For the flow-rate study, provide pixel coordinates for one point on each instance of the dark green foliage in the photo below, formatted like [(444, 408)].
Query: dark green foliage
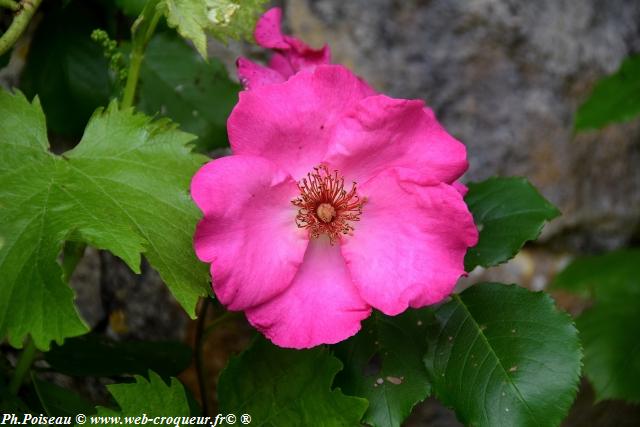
[(177, 83), (508, 212), (615, 98), (66, 69), (283, 387), (383, 363), (504, 356), (94, 355), (611, 327)]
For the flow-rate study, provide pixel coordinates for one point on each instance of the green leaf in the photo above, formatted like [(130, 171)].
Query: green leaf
[(282, 387), (123, 188), (59, 402), (153, 398), (383, 363), (610, 329), (95, 355), (234, 19), (609, 333), (508, 213), (66, 69), (177, 83), (615, 98), (189, 18), (609, 277), (502, 355), (224, 19)]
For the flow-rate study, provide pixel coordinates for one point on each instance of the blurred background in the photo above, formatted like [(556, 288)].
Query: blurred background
[(504, 76)]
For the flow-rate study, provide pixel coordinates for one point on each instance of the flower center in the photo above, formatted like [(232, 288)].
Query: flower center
[(325, 207), (326, 212)]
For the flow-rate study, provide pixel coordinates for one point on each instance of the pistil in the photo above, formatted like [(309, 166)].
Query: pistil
[(325, 207)]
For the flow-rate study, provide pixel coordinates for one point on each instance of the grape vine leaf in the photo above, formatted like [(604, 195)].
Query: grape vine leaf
[(284, 387), (502, 355), (610, 328), (223, 19), (189, 18), (234, 19), (122, 188), (177, 83), (153, 398), (383, 363), (615, 98), (508, 213)]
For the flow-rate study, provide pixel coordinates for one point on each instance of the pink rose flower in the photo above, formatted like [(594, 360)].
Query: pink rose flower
[(290, 54), (335, 200)]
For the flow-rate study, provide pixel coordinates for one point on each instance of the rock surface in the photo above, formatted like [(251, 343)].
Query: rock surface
[(506, 77)]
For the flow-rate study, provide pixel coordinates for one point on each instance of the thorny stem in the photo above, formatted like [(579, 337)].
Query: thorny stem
[(23, 366), (137, 54), (199, 345), (25, 11)]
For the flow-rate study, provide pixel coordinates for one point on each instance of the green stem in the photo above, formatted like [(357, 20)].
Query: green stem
[(137, 55), (22, 367), (10, 4), (135, 60), (18, 25)]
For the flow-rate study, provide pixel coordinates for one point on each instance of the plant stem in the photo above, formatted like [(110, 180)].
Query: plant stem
[(132, 78), (10, 4), (22, 367), (199, 345), (19, 24), (137, 53), (223, 318)]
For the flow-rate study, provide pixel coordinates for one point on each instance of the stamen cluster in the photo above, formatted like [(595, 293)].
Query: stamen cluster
[(325, 206)]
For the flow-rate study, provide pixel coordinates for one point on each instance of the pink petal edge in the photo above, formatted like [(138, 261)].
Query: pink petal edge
[(248, 232), (321, 306), (408, 248), (291, 55), (292, 123), (382, 132)]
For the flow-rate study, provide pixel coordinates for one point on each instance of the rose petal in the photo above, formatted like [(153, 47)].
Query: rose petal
[(462, 189), (408, 247), (268, 33), (302, 57), (248, 232), (280, 64), (254, 75), (322, 306), (382, 132), (292, 54), (291, 123)]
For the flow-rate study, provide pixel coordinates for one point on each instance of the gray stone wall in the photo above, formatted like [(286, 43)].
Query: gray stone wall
[(506, 77)]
